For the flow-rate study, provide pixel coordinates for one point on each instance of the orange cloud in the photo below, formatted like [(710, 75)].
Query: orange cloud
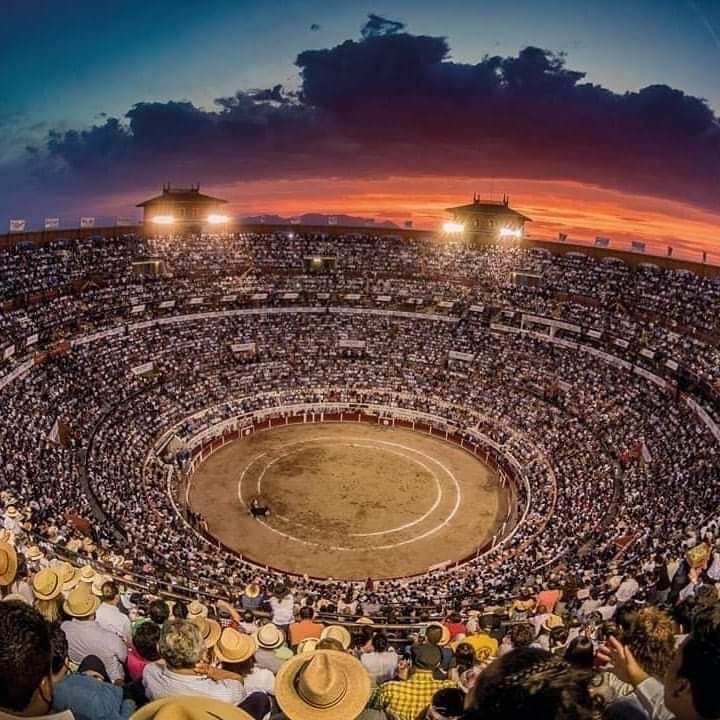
[(580, 210)]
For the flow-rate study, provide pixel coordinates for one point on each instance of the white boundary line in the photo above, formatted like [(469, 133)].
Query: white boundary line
[(432, 509), (388, 546)]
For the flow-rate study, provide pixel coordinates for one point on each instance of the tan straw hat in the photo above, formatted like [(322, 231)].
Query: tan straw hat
[(13, 513), (97, 584), (234, 646), (87, 574), (209, 630), (269, 637), (189, 708), (252, 590), (8, 563), (80, 603), (69, 575), (322, 685), (47, 584), (197, 610), (34, 553), (337, 632), (307, 645)]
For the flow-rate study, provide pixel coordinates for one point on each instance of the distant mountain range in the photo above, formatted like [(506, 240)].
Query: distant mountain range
[(319, 219)]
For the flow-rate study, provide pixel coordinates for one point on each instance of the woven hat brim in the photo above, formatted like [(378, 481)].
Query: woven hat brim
[(350, 707)]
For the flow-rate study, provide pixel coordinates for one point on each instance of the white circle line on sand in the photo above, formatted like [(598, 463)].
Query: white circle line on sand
[(424, 516), (388, 546)]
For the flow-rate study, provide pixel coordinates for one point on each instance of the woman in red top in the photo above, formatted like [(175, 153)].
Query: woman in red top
[(144, 648)]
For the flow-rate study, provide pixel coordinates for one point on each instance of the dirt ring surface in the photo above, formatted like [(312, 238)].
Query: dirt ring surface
[(349, 501)]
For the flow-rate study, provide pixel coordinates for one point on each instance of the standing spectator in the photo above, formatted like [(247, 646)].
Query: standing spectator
[(283, 605)]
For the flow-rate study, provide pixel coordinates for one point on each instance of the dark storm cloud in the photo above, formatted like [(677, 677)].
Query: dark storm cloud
[(396, 103)]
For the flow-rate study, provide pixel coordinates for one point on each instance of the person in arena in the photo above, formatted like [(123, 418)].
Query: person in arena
[(259, 508)]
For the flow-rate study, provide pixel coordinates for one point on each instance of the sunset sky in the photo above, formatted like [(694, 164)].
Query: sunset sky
[(596, 118)]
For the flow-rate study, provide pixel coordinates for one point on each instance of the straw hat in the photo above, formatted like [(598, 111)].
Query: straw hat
[(552, 621), (252, 590), (234, 646), (47, 584), (307, 645), (80, 603), (87, 574), (322, 685), (189, 708), (337, 632), (269, 637), (88, 545), (209, 630), (34, 553), (197, 610), (97, 583), (69, 575), (8, 563), (365, 621), (73, 545), (13, 513)]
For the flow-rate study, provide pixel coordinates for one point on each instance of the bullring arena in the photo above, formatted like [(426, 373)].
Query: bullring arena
[(351, 500)]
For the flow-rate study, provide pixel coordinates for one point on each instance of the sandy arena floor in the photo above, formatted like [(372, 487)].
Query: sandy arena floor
[(349, 501)]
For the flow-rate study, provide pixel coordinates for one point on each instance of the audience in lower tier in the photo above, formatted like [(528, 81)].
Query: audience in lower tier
[(658, 661)]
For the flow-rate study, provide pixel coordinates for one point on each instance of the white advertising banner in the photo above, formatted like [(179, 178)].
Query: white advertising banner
[(243, 347), (142, 369), (87, 222), (167, 304), (704, 416), (136, 309), (8, 352), (195, 301), (31, 339), (359, 344), (17, 225), (455, 355), (52, 223), (98, 335)]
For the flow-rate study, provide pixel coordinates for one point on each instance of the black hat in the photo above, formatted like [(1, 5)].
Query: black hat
[(426, 656)]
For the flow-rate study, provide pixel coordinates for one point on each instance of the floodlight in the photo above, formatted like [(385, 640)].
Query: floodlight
[(214, 219), (511, 232), (452, 227), (163, 220)]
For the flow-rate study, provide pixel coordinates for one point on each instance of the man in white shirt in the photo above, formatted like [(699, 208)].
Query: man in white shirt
[(110, 617), (182, 647), (86, 637), (627, 590)]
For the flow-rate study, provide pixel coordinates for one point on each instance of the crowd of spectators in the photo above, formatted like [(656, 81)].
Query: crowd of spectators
[(613, 566)]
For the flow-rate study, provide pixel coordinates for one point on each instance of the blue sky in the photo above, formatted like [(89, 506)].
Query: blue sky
[(64, 62)]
